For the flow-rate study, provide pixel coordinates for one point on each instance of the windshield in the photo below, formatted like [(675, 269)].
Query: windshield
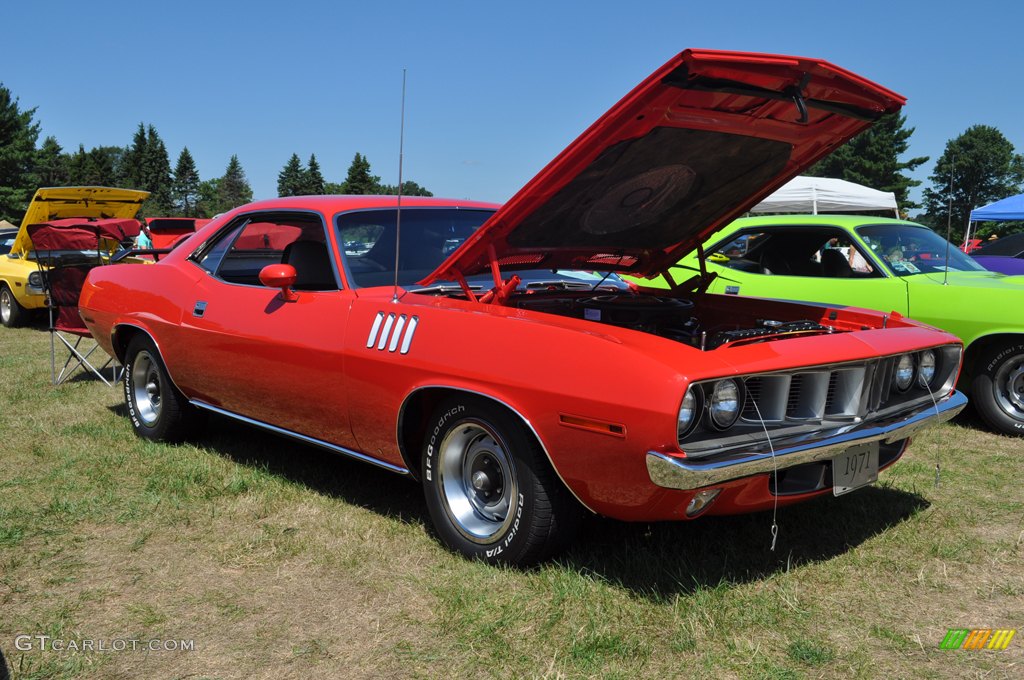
[(429, 236), (907, 249)]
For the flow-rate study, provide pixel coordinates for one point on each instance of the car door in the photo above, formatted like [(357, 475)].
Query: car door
[(254, 354), (738, 273)]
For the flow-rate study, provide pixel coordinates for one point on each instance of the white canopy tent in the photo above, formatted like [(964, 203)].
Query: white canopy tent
[(825, 195)]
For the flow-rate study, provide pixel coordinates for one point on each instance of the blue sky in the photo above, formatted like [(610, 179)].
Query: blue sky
[(495, 90)]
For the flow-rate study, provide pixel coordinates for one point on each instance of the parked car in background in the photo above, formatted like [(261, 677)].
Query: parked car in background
[(518, 404), (890, 265), (1004, 255), (164, 231), (21, 283), (7, 239)]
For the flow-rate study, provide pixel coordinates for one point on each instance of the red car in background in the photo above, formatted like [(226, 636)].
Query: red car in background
[(473, 348), (164, 231)]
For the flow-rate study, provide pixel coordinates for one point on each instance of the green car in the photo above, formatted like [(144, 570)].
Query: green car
[(884, 264)]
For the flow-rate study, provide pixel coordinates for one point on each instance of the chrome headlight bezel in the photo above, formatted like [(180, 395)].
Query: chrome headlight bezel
[(907, 370), (927, 368), (716, 396), (694, 393)]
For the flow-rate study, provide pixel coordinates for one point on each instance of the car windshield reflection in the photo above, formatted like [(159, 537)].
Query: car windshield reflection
[(907, 249)]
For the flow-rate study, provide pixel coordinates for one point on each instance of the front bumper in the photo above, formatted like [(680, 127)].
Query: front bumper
[(683, 473)]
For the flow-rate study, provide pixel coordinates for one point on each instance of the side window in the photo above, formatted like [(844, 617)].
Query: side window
[(741, 252), (796, 251), (282, 238)]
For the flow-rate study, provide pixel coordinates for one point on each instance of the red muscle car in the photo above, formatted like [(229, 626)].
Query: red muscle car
[(473, 347)]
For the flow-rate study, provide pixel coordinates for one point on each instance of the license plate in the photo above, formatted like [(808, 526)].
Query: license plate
[(855, 467)]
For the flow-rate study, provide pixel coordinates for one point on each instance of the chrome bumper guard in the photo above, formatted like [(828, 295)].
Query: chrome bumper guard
[(688, 473)]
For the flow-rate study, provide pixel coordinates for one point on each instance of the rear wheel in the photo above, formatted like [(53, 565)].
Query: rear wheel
[(156, 408), (12, 314), (997, 390), (490, 490)]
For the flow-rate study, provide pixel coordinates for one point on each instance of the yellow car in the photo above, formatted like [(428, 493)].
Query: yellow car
[(21, 282)]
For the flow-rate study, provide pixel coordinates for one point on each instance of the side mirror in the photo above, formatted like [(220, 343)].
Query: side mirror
[(280, 276)]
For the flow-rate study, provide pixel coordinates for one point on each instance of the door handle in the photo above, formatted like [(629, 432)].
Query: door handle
[(199, 309)]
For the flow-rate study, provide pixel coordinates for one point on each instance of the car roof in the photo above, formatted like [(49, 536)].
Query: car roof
[(341, 203)]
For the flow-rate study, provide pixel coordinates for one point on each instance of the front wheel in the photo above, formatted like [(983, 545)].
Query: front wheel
[(997, 390), (12, 314), (157, 409), (490, 490)]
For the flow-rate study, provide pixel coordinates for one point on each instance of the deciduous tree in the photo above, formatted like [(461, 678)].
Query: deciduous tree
[(983, 166)]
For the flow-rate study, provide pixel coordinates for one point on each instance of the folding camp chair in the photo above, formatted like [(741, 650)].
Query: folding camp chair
[(65, 251)]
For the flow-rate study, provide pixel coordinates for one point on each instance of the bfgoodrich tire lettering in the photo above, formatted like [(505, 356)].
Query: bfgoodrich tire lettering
[(997, 390), (490, 490), (156, 408)]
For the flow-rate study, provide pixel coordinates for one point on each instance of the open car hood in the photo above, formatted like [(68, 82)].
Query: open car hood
[(61, 202), (701, 140)]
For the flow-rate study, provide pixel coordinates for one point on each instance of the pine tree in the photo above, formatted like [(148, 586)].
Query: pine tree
[(133, 174), (233, 188), (186, 184), (314, 179), (156, 168), (18, 135), (51, 164), (872, 159), (359, 180), (291, 181), (984, 168)]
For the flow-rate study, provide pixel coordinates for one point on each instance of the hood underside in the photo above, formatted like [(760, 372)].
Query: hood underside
[(701, 140), (62, 202)]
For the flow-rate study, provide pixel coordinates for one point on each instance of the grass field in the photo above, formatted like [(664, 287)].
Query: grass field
[(280, 561)]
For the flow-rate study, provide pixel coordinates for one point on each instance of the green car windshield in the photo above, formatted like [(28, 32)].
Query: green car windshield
[(906, 250)]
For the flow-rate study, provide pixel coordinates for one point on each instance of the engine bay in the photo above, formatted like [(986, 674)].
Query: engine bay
[(695, 321)]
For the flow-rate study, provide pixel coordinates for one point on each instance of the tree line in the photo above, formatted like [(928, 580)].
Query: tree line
[(145, 164), (977, 167)]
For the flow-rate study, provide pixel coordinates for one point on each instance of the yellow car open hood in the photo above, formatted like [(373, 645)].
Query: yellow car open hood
[(61, 202)]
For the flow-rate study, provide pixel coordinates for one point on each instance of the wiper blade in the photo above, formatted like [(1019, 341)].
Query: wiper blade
[(443, 288), (560, 284)]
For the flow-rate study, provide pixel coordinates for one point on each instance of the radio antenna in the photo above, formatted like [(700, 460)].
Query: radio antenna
[(398, 208), (949, 218)]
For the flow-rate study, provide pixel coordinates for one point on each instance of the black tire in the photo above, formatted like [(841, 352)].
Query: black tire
[(12, 314), (490, 490), (156, 408), (997, 390)]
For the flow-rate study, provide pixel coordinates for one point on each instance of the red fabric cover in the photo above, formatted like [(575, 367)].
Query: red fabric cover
[(65, 284), (49, 237), (112, 229)]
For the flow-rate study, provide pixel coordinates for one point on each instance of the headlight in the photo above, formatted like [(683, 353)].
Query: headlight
[(926, 368), (904, 377), (35, 280), (725, 403), (689, 411)]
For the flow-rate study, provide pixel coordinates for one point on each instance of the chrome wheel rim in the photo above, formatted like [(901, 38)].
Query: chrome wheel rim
[(478, 482), (147, 385), (5, 306), (1009, 387)]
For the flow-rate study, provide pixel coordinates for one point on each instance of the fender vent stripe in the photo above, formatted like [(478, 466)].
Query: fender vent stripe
[(392, 331), (372, 340), (386, 332)]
